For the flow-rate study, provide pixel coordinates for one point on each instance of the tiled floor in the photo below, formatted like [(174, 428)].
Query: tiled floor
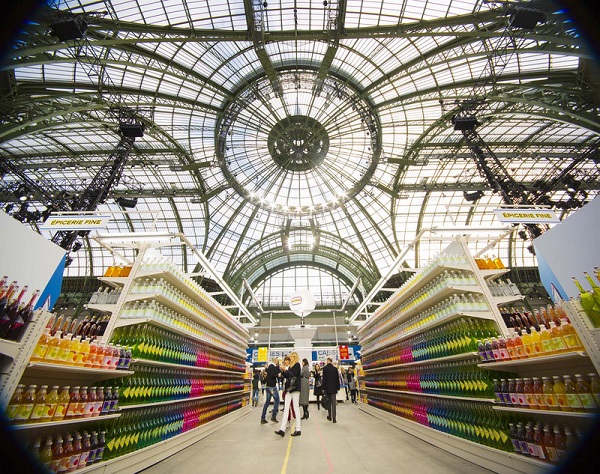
[(357, 443)]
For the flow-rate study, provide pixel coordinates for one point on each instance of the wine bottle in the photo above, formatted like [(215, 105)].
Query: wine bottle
[(22, 320), (6, 307)]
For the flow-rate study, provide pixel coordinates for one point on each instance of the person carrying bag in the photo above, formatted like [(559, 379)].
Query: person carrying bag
[(331, 386), (292, 394)]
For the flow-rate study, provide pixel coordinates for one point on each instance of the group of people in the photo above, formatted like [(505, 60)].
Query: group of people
[(295, 377)]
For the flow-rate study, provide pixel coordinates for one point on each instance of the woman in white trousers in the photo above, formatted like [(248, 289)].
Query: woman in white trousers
[(291, 397)]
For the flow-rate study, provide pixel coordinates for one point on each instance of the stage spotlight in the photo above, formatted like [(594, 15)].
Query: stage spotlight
[(127, 202)]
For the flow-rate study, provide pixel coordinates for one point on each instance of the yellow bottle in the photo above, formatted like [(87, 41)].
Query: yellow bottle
[(41, 347), (547, 342), (64, 349), (557, 337), (74, 357), (561, 394), (527, 343), (84, 352), (536, 343), (52, 354), (62, 404), (498, 263), (51, 403), (571, 337)]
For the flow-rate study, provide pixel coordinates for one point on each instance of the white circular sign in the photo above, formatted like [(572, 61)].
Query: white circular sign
[(302, 303)]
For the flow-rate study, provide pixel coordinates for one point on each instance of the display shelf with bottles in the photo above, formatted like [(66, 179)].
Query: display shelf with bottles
[(421, 355), (201, 338), (46, 370), (162, 279), (62, 423)]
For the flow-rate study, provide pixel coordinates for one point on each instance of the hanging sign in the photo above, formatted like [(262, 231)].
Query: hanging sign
[(344, 353), (302, 303), (263, 354), (72, 222), (531, 216)]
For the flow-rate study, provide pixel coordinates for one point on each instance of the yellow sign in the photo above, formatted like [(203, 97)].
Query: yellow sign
[(532, 216), (263, 354)]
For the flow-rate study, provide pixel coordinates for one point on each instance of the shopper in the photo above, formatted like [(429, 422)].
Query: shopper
[(304, 388), (352, 385), (263, 380), (318, 388), (273, 372), (255, 380), (292, 378), (344, 379), (331, 386)]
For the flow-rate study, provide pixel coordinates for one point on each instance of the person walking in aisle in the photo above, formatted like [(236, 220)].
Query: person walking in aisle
[(331, 386), (272, 374), (255, 380), (318, 388), (263, 380), (292, 395), (352, 385), (304, 388), (344, 379)]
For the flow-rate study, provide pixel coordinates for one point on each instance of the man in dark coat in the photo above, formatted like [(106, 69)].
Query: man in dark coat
[(331, 385)]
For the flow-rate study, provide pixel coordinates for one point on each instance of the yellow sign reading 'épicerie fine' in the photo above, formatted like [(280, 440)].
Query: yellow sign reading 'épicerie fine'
[(73, 222), (533, 216)]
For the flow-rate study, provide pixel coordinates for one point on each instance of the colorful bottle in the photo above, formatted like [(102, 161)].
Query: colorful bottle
[(27, 404), (584, 391), (549, 395), (15, 402), (62, 405), (40, 404), (557, 337), (561, 394), (546, 339), (51, 404), (588, 304), (571, 337)]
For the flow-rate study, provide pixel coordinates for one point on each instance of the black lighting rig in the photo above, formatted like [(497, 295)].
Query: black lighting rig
[(73, 29), (518, 22)]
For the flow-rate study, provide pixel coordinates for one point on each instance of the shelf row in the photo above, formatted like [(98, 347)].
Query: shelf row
[(189, 287), (40, 369), (378, 345), (31, 426), (236, 351), (529, 411), (577, 357), (403, 293), (175, 307)]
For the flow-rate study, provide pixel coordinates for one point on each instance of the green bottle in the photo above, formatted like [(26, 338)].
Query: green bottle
[(588, 303)]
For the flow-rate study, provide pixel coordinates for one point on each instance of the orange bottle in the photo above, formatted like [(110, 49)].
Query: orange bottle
[(519, 346)]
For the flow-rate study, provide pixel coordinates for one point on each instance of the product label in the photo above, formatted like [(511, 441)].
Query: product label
[(572, 340), (552, 454), (550, 400), (37, 412), (573, 400), (587, 401), (548, 345), (24, 411), (61, 411), (559, 343), (11, 411)]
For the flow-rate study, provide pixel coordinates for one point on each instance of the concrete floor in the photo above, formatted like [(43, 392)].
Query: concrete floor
[(357, 443)]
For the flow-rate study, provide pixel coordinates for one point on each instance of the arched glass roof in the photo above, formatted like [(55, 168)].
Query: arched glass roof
[(295, 134)]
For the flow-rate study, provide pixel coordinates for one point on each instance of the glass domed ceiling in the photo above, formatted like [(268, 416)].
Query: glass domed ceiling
[(303, 148), (298, 138)]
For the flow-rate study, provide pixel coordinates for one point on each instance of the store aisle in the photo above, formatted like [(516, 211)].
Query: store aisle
[(357, 443)]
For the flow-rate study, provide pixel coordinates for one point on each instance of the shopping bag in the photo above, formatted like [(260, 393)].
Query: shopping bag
[(325, 401)]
